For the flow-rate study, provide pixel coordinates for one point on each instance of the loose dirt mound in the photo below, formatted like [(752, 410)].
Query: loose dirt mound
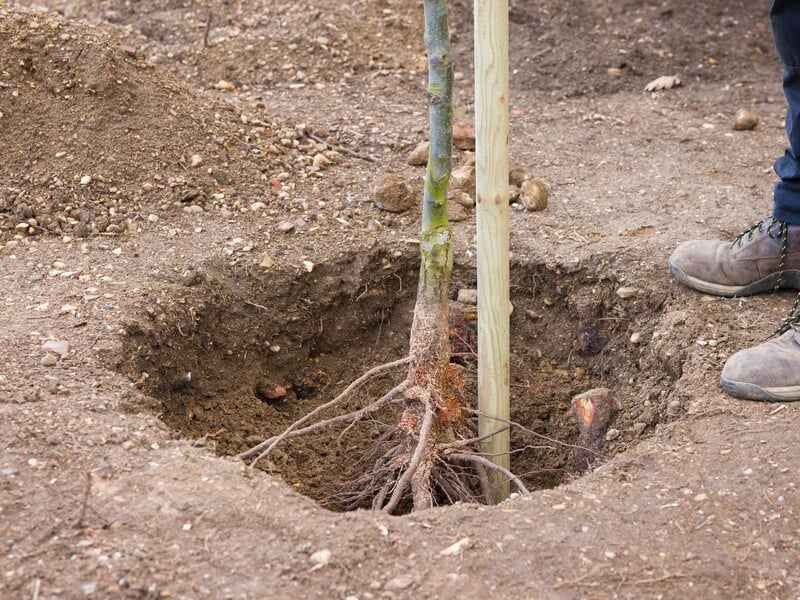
[(262, 43), (96, 139)]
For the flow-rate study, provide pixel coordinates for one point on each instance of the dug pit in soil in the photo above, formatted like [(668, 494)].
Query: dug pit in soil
[(236, 357)]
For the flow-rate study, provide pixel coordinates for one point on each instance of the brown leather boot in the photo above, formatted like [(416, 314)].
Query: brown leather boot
[(769, 371), (763, 258)]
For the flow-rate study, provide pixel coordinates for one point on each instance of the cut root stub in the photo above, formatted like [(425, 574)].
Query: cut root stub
[(594, 410)]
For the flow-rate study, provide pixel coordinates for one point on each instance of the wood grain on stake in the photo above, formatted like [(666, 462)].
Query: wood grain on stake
[(491, 155)]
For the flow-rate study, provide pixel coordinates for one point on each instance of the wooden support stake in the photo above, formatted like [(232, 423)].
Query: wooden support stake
[(491, 156)]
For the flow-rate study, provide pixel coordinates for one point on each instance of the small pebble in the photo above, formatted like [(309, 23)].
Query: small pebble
[(395, 195), (401, 582), (418, 157), (533, 194), (626, 292), (320, 160), (612, 434), (745, 120), (225, 86), (86, 180), (464, 136), (59, 347), (89, 588), (468, 296), (49, 360), (320, 558), (266, 261)]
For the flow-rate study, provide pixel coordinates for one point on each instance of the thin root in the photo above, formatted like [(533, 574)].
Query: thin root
[(366, 377), (416, 458), (475, 459), (292, 432)]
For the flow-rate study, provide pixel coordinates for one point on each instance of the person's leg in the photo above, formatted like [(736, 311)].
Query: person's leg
[(785, 22), (771, 371), (766, 257)]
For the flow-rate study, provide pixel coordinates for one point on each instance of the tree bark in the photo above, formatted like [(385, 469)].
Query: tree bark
[(430, 345)]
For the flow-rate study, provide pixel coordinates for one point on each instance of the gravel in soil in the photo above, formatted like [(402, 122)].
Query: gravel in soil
[(146, 145)]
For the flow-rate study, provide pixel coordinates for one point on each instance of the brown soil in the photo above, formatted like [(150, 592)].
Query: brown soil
[(161, 211)]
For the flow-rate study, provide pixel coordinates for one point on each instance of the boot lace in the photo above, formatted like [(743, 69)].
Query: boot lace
[(781, 234), (792, 319)]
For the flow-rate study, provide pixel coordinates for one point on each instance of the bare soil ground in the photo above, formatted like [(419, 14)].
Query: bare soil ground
[(164, 210)]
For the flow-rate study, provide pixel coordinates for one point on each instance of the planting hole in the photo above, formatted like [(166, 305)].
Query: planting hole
[(235, 358)]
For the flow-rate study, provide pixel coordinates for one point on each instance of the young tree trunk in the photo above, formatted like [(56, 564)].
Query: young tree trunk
[(431, 456), (429, 347)]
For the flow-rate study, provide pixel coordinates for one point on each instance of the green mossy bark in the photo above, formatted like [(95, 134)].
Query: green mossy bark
[(430, 348)]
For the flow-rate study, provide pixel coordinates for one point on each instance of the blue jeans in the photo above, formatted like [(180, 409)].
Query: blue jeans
[(785, 20)]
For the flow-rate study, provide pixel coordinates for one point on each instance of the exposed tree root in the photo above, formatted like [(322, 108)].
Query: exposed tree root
[(431, 457), (268, 445), (486, 463)]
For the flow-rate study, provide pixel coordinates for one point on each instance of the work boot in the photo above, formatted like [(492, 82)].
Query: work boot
[(765, 257), (769, 371)]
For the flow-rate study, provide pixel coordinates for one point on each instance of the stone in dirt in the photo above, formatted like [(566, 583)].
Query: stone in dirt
[(533, 194), (456, 212), (463, 178), (468, 295), (418, 157), (395, 195), (49, 360), (745, 120), (460, 197), (266, 261), (319, 559), (517, 176), (59, 347), (464, 136), (270, 392), (320, 161), (401, 582)]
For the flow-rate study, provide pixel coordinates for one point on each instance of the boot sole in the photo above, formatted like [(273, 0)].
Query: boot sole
[(789, 279), (751, 391)]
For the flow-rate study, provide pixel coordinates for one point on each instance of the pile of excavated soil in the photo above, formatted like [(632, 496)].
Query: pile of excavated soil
[(96, 140)]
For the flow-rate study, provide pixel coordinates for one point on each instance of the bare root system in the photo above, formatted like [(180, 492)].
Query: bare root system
[(430, 457)]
